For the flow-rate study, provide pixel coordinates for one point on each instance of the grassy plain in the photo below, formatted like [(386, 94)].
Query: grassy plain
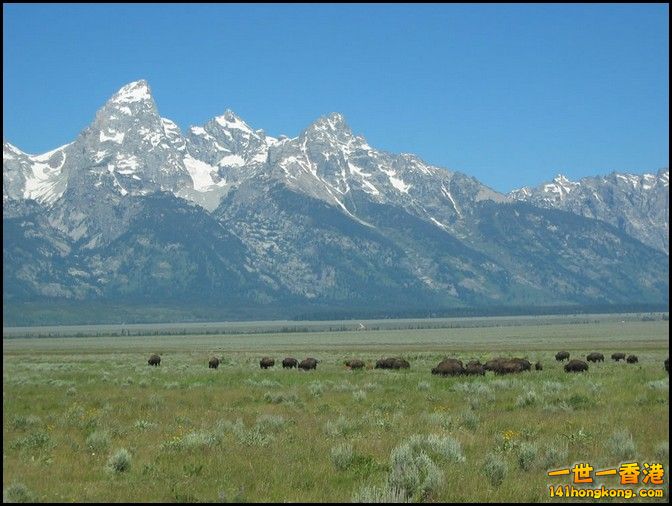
[(86, 419)]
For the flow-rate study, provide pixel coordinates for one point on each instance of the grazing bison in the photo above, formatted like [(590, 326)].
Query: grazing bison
[(618, 356), (400, 363), (632, 359), (449, 367), (392, 363), (575, 365), (595, 357), (493, 364), (308, 363), (474, 368), (266, 362), (525, 365), (213, 363), (562, 355), (355, 364), (385, 363), (289, 362), (508, 367), (154, 360), (667, 364), (538, 366)]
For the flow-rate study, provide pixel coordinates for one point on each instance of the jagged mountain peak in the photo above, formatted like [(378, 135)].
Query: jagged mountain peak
[(561, 178), (133, 92), (132, 102), (231, 121), (333, 123)]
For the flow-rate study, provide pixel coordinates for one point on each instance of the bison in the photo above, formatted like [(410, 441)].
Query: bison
[(289, 362), (354, 364), (308, 363), (632, 359), (400, 363), (618, 356), (575, 365), (392, 363), (154, 360), (538, 366), (595, 357), (667, 364), (266, 362), (562, 355), (508, 367), (213, 363), (474, 368), (493, 364), (449, 367), (525, 365)]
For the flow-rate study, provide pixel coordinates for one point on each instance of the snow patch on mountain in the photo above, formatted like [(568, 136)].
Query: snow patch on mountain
[(398, 183), (113, 136), (201, 174)]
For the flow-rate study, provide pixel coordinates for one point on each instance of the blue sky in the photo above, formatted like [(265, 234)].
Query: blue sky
[(509, 94)]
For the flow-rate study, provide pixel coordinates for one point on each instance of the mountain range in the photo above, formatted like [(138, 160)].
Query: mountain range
[(134, 213)]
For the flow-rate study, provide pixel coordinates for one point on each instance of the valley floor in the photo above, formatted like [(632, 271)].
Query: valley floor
[(86, 419)]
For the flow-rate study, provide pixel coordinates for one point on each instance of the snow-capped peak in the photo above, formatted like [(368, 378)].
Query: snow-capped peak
[(334, 122), (231, 121), (136, 91)]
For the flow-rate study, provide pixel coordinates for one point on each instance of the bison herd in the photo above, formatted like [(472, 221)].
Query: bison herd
[(447, 367)]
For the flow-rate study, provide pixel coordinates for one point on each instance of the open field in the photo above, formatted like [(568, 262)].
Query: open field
[(239, 433)]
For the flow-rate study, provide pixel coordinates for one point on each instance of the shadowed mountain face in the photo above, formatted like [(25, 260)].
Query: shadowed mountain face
[(134, 212)]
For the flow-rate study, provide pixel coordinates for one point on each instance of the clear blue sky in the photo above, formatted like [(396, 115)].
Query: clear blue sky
[(510, 94)]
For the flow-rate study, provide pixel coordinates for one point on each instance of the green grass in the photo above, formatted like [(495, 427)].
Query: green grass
[(86, 419)]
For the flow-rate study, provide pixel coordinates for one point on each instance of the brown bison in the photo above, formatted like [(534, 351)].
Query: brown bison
[(632, 359), (508, 367), (289, 362), (354, 364), (400, 363), (667, 364), (575, 365), (538, 366), (525, 365), (266, 362), (309, 363), (213, 363), (474, 368), (154, 360), (449, 367), (562, 355), (493, 364), (595, 357), (618, 356), (392, 363)]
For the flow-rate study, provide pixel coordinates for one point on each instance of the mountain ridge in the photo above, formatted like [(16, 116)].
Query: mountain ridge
[(318, 219)]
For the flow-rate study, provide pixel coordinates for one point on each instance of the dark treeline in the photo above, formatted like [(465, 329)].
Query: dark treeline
[(460, 312), (231, 328), (99, 313)]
